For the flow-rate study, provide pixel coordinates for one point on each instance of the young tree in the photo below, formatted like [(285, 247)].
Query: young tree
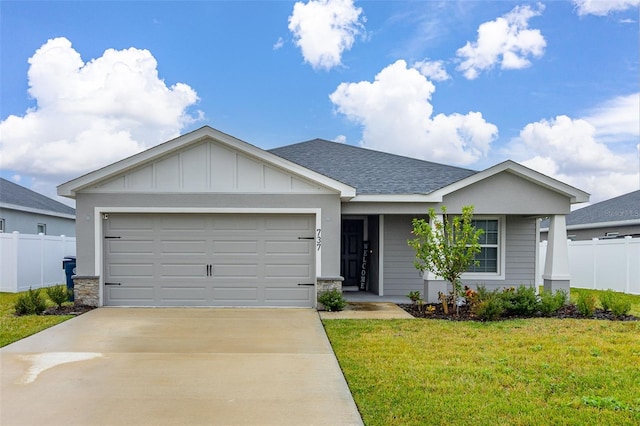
[(447, 248)]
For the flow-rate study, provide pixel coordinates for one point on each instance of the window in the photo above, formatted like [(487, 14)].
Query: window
[(1, 225), (42, 228), (488, 257)]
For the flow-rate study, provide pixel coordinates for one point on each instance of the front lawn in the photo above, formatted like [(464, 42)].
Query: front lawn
[(14, 328), (538, 371)]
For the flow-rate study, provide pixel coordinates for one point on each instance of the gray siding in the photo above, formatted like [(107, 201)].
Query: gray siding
[(400, 275), (27, 223)]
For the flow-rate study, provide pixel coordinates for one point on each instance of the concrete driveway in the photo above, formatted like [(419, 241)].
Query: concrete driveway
[(177, 366)]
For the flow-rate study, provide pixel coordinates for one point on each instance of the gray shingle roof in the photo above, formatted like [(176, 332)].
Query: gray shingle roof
[(14, 194), (371, 172), (624, 207)]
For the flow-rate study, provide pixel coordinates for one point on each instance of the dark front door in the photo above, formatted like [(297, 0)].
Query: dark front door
[(351, 248)]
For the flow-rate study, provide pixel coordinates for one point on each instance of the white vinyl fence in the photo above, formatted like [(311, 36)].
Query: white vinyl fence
[(602, 264), (33, 261)]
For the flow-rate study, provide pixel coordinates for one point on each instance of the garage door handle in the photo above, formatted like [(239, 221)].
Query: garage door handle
[(112, 283), (309, 284)]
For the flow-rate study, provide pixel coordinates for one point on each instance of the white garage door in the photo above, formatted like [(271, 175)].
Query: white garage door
[(209, 260)]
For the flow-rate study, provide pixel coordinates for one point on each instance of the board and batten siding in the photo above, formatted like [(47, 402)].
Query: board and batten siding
[(400, 274)]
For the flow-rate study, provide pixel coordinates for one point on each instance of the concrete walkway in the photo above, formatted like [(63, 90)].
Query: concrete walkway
[(171, 366)]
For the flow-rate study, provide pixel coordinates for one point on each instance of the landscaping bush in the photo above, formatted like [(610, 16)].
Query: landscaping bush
[(332, 300), (620, 307), (607, 298), (550, 303), (586, 304), (30, 303), (59, 294), (522, 301), (489, 306)]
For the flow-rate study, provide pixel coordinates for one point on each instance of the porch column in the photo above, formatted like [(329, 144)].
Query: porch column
[(434, 284), (557, 275)]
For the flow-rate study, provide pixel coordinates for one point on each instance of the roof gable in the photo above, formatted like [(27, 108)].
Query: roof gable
[(16, 197), (205, 160)]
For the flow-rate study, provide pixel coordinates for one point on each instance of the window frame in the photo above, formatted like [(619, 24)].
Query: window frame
[(2, 225), (502, 250), (42, 226)]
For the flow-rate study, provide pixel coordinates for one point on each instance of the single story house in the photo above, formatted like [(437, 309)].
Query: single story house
[(209, 220), (614, 218), (27, 212)]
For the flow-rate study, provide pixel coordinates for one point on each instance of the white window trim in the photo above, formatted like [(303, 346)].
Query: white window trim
[(502, 252)]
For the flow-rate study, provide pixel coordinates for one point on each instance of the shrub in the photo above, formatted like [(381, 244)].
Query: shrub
[(414, 296), (586, 304), (620, 307), (521, 301), (490, 309), (332, 300), (550, 303), (607, 298), (30, 303), (59, 294)]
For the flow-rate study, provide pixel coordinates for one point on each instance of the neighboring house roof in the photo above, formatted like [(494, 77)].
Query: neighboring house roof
[(16, 197), (621, 210), (372, 172)]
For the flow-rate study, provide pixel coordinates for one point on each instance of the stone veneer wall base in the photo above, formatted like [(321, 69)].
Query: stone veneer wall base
[(86, 290)]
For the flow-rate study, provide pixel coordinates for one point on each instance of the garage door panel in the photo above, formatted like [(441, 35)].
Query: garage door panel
[(287, 271), (176, 295), (131, 270), (184, 223), (132, 296), (181, 270), (239, 294), (288, 223), (210, 260), (287, 247), (232, 247), (129, 223), (288, 294), (236, 223), (130, 246), (246, 271), (183, 247)]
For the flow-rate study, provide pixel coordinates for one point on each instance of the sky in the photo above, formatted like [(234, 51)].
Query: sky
[(552, 85)]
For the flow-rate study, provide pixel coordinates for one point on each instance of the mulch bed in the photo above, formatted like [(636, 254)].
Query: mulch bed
[(568, 311), (68, 310)]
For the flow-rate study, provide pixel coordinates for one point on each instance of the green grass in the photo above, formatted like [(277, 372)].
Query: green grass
[(538, 371), (13, 328), (633, 299)]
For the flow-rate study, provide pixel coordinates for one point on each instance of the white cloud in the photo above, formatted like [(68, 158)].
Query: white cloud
[(278, 44), (340, 139), (603, 7), (569, 150), (91, 114), (395, 113), (324, 29), (617, 119), (433, 70), (507, 41)]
